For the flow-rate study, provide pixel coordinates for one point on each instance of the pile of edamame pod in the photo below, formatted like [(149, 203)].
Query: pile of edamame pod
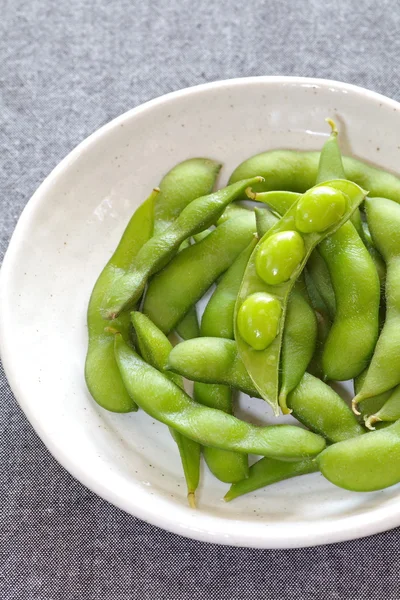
[(303, 251)]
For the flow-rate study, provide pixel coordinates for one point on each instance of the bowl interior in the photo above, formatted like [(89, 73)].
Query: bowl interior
[(65, 236)]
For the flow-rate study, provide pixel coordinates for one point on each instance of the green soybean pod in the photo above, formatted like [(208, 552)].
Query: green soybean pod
[(267, 471), (101, 371), (319, 273), (163, 400), (295, 171), (264, 220), (190, 274), (312, 402), (384, 369), (184, 183), (155, 347), (371, 405), (280, 202), (158, 251), (263, 363), (352, 337), (364, 464), (320, 408), (211, 360), (217, 319), (389, 412), (298, 341)]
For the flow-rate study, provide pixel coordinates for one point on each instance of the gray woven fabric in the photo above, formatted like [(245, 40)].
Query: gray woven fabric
[(65, 69)]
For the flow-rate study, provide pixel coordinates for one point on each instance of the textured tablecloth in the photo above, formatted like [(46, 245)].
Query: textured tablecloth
[(67, 68)]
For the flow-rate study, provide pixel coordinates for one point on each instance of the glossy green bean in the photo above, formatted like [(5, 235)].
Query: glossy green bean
[(364, 464), (384, 370), (263, 366), (163, 400), (155, 348), (101, 371), (158, 251), (189, 275)]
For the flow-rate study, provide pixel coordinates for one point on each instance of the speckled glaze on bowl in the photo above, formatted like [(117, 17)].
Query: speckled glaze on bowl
[(66, 234)]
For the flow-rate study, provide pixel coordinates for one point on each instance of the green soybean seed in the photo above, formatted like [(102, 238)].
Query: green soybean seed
[(267, 471), (263, 365), (384, 369), (319, 208), (279, 256), (190, 274), (158, 251), (163, 400), (366, 463), (258, 320), (155, 349), (101, 371)]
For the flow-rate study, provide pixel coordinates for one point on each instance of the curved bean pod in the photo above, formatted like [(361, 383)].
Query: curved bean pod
[(155, 347), (313, 402), (157, 252), (263, 365), (295, 171), (163, 400), (101, 371), (384, 370), (189, 275), (267, 471), (356, 464), (352, 337)]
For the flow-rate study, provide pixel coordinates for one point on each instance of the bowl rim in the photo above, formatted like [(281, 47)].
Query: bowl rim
[(202, 527)]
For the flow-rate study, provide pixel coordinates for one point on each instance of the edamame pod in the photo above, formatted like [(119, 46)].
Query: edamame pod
[(263, 365), (295, 171), (384, 370), (155, 348), (366, 463), (313, 402), (101, 371), (267, 471), (371, 405), (157, 252), (163, 400), (184, 183), (352, 337), (389, 412), (298, 342), (189, 275)]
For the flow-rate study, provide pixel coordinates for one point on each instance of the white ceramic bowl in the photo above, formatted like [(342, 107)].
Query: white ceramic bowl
[(66, 234)]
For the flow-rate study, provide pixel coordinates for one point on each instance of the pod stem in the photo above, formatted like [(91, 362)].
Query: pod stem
[(282, 403), (111, 330), (354, 404), (191, 500), (332, 125), (369, 421), (250, 194)]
